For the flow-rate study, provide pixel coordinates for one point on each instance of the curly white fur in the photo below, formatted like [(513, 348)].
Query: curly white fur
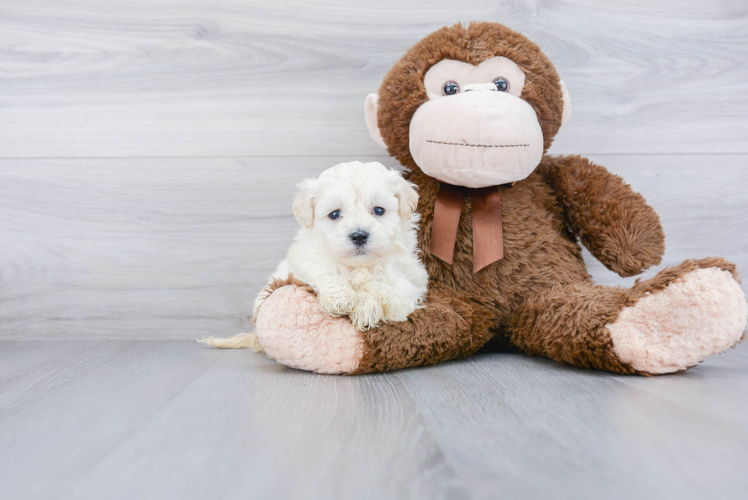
[(380, 281)]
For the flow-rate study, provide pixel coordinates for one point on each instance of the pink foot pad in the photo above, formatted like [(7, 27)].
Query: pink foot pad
[(699, 315), (296, 333)]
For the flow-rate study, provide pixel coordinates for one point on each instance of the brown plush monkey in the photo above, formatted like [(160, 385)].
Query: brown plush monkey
[(471, 111)]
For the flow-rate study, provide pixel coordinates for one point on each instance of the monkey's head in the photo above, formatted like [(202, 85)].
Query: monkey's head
[(473, 106)]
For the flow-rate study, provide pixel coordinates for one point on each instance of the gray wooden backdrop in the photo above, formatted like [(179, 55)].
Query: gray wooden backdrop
[(149, 149)]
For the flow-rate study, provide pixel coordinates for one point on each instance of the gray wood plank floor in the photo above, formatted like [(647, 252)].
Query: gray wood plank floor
[(173, 419)]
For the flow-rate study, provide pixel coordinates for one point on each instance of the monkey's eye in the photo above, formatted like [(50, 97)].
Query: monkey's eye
[(501, 84), (378, 211), (334, 214), (450, 88)]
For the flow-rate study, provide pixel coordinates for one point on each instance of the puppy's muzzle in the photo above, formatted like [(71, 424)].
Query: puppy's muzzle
[(359, 238)]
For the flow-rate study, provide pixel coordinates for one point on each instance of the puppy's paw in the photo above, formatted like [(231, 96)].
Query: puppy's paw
[(399, 308), (369, 310), (337, 300)]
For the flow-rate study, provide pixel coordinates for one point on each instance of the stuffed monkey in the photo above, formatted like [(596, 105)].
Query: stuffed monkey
[(470, 111)]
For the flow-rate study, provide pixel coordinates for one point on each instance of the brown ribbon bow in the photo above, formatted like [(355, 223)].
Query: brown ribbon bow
[(488, 240)]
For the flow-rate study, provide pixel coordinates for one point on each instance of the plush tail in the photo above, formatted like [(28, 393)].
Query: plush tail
[(240, 341)]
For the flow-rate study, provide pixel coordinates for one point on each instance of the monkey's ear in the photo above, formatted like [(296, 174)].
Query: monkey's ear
[(370, 112), (566, 114), (303, 204), (407, 196)]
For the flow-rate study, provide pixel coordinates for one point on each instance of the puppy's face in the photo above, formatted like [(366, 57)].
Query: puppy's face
[(359, 211)]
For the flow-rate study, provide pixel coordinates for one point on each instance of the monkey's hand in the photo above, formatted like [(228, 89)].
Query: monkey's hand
[(613, 221)]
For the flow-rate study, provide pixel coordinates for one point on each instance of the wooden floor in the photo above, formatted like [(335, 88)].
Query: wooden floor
[(149, 151), (174, 419)]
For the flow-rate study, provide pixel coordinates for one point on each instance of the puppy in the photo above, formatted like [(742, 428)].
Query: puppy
[(357, 247)]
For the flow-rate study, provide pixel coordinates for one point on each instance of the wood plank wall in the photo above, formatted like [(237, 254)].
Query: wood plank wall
[(149, 149)]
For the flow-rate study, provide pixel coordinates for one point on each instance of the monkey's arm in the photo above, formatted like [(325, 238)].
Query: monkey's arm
[(613, 221)]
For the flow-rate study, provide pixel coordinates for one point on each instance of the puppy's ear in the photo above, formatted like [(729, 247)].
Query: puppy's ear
[(407, 196), (303, 204)]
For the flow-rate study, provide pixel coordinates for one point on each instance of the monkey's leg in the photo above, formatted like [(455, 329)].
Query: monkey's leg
[(662, 325), (293, 330)]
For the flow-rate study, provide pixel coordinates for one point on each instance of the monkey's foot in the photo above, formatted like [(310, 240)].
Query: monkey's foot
[(295, 332), (695, 315)]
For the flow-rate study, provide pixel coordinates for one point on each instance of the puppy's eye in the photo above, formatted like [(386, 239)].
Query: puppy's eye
[(334, 214), (378, 211), (450, 88), (501, 84)]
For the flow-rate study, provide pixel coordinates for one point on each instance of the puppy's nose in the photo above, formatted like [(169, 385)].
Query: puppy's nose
[(359, 238)]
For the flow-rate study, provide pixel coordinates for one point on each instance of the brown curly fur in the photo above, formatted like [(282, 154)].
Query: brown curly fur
[(402, 91), (567, 322), (541, 255), (539, 297)]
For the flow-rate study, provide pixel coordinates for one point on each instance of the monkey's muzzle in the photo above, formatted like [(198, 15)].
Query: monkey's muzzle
[(476, 138)]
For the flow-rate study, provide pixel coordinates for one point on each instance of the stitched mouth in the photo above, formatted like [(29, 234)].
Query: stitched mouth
[(466, 145)]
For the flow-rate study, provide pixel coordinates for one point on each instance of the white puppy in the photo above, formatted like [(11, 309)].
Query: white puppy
[(357, 247)]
